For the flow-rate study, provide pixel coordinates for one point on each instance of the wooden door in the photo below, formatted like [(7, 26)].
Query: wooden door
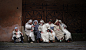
[(36, 11)]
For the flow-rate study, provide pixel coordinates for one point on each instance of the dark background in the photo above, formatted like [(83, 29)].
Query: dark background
[(71, 12), (15, 13)]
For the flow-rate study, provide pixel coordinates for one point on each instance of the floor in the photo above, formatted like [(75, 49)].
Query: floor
[(76, 45)]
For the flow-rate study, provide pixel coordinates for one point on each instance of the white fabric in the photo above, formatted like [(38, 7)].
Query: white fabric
[(63, 25), (28, 32), (60, 21), (29, 21), (56, 21), (16, 27), (42, 21), (68, 34), (47, 26), (58, 33), (44, 35), (51, 35), (17, 36)]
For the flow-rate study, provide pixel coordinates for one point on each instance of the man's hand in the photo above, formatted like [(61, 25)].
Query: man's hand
[(64, 27), (33, 26), (22, 33), (16, 33), (59, 24), (41, 32), (47, 30), (58, 29), (51, 31), (31, 30)]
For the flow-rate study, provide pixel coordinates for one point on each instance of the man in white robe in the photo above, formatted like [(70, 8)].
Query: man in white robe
[(44, 33), (29, 31), (66, 32), (17, 35), (58, 32), (48, 27)]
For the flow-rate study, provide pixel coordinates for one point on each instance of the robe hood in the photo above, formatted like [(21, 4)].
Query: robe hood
[(35, 21)]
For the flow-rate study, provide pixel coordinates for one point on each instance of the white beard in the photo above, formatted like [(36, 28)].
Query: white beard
[(41, 24)]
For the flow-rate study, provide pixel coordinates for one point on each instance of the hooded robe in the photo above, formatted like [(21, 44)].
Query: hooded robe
[(28, 32)]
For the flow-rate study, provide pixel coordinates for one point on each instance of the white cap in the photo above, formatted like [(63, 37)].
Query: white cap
[(56, 21), (35, 21), (30, 21), (42, 21), (16, 27), (60, 21)]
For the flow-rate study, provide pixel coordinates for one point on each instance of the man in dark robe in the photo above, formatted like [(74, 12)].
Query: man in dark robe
[(36, 31)]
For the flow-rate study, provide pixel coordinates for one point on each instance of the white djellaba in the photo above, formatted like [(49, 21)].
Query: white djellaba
[(66, 32), (44, 33), (28, 31), (58, 32), (49, 35), (17, 36)]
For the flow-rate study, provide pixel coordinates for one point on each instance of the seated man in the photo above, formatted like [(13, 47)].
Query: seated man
[(17, 35), (58, 32), (29, 31), (51, 31), (66, 32), (40, 28), (48, 30), (36, 31)]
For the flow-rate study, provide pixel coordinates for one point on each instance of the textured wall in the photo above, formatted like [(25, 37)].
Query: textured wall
[(10, 16), (73, 12), (11, 13)]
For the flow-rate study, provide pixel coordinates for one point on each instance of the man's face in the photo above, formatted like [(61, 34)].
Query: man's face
[(41, 23), (35, 22), (30, 23), (57, 23), (16, 30), (49, 22)]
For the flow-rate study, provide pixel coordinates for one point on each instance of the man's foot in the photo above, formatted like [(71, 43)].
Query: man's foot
[(41, 39), (14, 41), (53, 41), (21, 41), (49, 42), (60, 40), (31, 42), (68, 41)]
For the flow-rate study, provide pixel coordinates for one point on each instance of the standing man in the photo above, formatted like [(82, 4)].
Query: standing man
[(29, 31)]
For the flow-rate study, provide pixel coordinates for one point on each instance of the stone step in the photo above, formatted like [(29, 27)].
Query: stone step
[(40, 46)]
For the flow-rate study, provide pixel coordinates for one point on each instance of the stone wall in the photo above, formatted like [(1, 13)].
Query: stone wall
[(71, 12), (10, 16), (74, 14)]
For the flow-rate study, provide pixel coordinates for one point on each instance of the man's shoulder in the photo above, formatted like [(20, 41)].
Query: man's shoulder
[(46, 24)]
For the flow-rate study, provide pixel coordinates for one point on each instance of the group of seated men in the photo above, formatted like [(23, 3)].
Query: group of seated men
[(43, 32)]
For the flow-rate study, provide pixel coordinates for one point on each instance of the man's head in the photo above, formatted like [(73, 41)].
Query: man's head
[(57, 22), (50, 21), (41, 22), (30, 21), (35, 22), (16, 29)]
